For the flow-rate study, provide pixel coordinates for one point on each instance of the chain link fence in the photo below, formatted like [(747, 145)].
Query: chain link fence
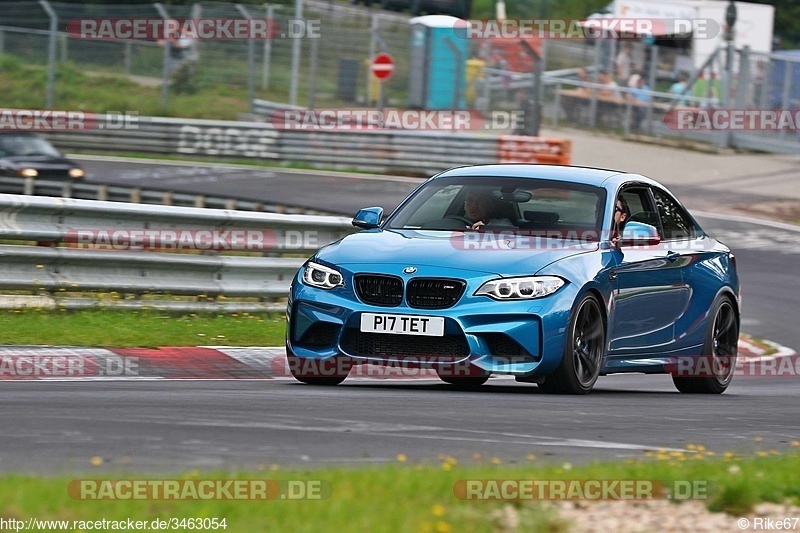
[(584, 83), (330, 70)]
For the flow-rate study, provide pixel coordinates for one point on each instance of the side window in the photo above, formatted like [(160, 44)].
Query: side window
[(675, 221), (639, 204)]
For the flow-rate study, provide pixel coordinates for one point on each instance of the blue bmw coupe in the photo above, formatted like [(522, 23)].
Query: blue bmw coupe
[(556, 275)]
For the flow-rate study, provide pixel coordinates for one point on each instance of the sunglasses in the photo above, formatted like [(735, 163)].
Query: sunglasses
[(618, 209)]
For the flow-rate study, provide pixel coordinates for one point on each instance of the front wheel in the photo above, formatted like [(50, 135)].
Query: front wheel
[(584, 347), (719, 353), (325, 372)]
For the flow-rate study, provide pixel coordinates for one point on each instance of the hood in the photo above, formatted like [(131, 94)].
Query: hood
[(39, 162), (489, 253)]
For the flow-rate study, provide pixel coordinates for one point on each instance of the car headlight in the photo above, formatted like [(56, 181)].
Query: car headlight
[(28, 172), (76, 173), (322, 277), (520, 288)]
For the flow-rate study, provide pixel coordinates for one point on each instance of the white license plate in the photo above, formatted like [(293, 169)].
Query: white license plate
[(432, 326)]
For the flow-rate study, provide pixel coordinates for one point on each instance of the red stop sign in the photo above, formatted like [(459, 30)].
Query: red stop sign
[(382, 66)]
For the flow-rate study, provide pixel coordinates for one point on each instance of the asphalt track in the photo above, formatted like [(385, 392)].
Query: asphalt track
[(174, 425)]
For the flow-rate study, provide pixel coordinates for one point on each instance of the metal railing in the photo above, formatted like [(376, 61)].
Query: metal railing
[(131, 253), (138, 195), (425, 152)]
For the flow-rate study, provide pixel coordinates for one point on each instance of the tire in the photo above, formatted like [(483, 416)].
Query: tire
[(584, 348), (326, 373), (475, 378), (721, 346)]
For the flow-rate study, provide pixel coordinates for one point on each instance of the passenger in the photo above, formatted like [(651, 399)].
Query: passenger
[(621, 214)]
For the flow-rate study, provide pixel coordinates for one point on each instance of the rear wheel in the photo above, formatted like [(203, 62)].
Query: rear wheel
[(720, 349), (583, 351), (326, 372)]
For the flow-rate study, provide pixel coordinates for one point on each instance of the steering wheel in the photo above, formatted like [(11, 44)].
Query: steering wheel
[(467, 222)]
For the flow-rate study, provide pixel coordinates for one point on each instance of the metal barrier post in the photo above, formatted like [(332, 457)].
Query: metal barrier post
[(743, 85), (373, 33), (51, 55), (626, 125), (557, 109), (166, 64), (293, 83), (651, 82), (724, 139), (267, 50), (312, 76), (595, 74), (251, 62), (787, 87)]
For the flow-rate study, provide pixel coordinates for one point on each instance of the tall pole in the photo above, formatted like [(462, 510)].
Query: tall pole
[(166, 65), (251, 61), (727, 88), (298, 15), (267, 49), (51, 53)]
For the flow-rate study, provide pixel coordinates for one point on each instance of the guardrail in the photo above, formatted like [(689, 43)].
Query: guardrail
[(382, 150), (130, 252), (119, 193)]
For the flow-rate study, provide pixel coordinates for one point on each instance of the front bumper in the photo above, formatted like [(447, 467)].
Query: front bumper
[(504, 337)]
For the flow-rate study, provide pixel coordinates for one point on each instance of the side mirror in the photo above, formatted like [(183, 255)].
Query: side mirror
[(639, 234), (368, 218)]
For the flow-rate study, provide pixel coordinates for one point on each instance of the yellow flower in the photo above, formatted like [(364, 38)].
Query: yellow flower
[(476, 456), (758, 439), (796, 443), (401, 458), (274, 468), (447, 467), (443, 527), (690, 446), (531, 457), (96, 460), (438, 510), (495, 461), (762, 454)]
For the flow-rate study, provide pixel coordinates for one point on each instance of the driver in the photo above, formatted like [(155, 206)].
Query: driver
[(480, 208)]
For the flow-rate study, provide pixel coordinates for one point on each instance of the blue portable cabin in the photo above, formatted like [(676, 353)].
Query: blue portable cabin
[(778, 80), (439, 53)]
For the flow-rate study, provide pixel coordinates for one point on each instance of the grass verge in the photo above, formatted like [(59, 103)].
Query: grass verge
[(144, 328), (405, 496)]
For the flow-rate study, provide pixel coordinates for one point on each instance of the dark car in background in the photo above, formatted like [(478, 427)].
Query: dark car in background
[(27, 155), (456, 8)]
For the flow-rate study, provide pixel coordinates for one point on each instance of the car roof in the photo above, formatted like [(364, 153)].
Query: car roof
[(575, 174), (599, 177)]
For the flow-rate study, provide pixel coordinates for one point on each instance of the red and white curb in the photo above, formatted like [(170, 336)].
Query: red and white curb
[(57, 363)]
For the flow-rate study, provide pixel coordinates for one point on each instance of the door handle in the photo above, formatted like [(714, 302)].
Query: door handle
[(672, 256), (612, 275)]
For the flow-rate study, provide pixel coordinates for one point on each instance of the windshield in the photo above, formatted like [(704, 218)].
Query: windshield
[(11, 145), (539, 206)]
